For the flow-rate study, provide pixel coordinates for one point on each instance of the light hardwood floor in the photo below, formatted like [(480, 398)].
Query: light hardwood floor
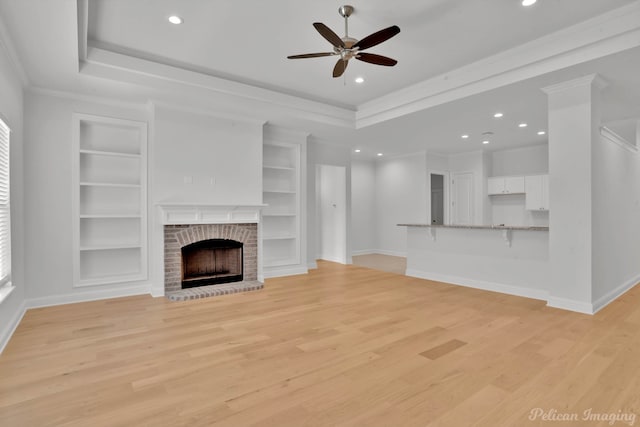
[(388, 263), (342, 346)]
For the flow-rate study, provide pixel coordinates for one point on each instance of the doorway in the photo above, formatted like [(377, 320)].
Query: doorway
[(331, 205), (462, 195), (437, 199)]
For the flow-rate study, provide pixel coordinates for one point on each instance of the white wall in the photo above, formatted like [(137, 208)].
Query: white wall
[(363, 206), (615, 221), (48, 195), (11, 111), (205, 148), (532, 160), (401, 197)]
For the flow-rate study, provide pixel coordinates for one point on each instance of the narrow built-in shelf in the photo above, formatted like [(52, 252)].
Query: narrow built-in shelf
[(110, 153), (279, 191), (108, 184), (110, 216), (284, 168), (283, 237), (109, 247)]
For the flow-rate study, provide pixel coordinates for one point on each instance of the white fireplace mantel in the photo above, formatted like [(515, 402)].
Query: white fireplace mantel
[(184, 213)]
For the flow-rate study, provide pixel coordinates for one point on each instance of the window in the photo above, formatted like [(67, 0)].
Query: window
[(5, 223)]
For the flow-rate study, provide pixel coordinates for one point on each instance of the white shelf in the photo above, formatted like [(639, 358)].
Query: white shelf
[(281, 168), (109, 184), (279, 237), (275, 191), (110, 153), (278, 214), (110, 222)]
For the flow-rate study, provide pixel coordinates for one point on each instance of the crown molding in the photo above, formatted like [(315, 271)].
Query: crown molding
[(108, 64), (12, 54), (588, 80), (603, 35), (281, 133), (611, 136), (75, 96)]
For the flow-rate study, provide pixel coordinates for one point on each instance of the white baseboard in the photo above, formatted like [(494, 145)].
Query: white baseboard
[(333, 259), (285, 271), (571, 305), (87, 296), (364, 252), (605, 300), (312, 265), (480, 284), (10, 328)]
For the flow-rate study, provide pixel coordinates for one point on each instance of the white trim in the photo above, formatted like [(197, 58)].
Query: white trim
[(12, 55), (611, 136), (284, 271), (588, 80), (7, 332), (614, 294), (363, 252), (313, 265), (92, 295), (5, 291), (502, 288), (571, 305), (189, 213)]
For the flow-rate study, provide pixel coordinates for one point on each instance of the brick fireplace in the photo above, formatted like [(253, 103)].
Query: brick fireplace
[(210, 251)]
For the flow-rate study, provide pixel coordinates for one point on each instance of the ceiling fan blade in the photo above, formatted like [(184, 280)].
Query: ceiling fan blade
[(328, 34), (377, 37), (311, 55), (372, 58), (341, 65)]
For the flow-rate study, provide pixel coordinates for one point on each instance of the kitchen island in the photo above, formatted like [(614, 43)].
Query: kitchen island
[(508, 259)]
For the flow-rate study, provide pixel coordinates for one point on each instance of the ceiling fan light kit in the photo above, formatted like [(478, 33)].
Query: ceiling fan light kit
[(348, 48)]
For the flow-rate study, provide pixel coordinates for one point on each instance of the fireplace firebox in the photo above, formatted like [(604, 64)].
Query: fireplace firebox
[(211, 262)]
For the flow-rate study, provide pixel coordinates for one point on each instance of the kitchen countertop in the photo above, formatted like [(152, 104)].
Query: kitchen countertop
[(480, 227)]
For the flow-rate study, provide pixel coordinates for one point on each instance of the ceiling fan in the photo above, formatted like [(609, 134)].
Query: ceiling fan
[(348, 47)]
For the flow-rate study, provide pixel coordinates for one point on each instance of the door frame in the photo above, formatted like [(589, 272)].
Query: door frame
[(446, 216)]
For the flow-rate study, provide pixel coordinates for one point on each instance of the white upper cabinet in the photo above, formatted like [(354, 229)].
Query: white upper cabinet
[(505, 185), (537, 190)]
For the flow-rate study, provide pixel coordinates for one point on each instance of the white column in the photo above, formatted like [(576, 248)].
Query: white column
[(573, 130)]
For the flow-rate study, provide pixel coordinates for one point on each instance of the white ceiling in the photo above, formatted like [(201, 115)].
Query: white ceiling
[(248, 41)]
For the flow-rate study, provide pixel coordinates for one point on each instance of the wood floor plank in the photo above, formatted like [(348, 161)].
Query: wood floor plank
[(341, 346)]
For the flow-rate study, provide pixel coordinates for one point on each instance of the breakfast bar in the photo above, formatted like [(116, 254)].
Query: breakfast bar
[(508, 259)]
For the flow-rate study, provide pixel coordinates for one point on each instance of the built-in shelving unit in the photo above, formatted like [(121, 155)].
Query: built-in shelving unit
[(110, 221), (282, 218)]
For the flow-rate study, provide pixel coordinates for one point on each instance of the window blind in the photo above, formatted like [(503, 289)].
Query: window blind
[(5, 223)]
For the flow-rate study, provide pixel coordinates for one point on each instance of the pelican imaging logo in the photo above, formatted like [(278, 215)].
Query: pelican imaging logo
[(588, 415)]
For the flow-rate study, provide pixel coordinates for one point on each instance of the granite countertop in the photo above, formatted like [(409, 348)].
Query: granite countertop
[(481, 227)]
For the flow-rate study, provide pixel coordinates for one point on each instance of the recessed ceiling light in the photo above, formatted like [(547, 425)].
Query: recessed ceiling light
[(522, 125), (485, 142), (175, 19), (542, 132), (498, 115), (379, 154), (528, 2), (465, 136), (359, 80), (357, 151)]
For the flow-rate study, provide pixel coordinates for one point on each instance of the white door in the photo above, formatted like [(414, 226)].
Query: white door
[(332, 213), (462, 198)]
